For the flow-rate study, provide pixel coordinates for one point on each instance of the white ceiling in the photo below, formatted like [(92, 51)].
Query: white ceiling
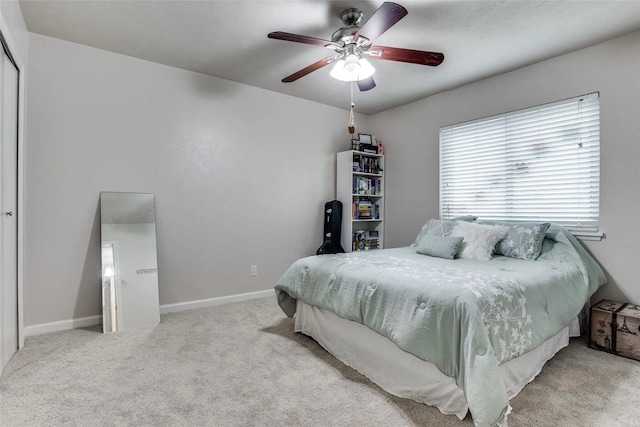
[(228, 39)]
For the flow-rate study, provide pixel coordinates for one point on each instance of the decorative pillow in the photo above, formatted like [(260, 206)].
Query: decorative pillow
[(479, 239), (434, 227), (440, 227), (524, 240), (439, 246)]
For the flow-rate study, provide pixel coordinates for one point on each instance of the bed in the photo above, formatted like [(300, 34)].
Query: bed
[(459, 334)]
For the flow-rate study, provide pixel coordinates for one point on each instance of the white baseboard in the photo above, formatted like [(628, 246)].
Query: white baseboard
[(167, 308), (210, 302), (62, 325)]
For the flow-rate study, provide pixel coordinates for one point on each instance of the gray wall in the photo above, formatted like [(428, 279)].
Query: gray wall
[(19, 43), (612, 68), (240, 175)]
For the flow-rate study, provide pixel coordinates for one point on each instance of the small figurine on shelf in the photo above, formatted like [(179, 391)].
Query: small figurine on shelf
[(380, 147), (363, 187), (358, 241)]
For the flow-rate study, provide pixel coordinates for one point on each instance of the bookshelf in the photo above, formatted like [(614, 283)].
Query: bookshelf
[(360, 188)]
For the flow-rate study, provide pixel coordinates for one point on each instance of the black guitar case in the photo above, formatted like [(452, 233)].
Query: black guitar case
[(332, 228)]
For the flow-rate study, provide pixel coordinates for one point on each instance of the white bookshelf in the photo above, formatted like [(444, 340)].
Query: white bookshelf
[(356, 197)]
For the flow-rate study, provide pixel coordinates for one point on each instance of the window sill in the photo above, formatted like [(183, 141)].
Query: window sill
[(587, 235)]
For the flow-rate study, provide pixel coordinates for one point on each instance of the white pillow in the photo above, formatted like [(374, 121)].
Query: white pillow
[(479, 239)]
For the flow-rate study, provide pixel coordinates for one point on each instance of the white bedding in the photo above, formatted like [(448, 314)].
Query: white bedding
[(403, 374)]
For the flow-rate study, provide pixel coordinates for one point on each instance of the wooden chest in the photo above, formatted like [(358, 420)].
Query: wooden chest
[(615, 328)]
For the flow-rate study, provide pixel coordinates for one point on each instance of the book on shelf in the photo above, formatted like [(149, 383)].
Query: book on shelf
[(358, 240), (362, 185), (367, 186), (364, 211), (369, 148), (365, 164), (363, 208), (365, 239), (375, 211)]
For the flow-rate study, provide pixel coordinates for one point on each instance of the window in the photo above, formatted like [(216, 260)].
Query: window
[(537, 164)]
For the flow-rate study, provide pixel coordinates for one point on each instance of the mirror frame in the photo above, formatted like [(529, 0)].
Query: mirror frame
[(123, 283)]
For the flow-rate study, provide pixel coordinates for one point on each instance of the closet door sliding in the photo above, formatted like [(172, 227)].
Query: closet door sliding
[(9, 83)]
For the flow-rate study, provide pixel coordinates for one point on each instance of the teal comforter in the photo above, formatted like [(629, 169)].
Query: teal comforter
[(465, 317)]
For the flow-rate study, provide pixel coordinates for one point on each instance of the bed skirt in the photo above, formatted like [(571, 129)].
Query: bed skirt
[(403, 374)]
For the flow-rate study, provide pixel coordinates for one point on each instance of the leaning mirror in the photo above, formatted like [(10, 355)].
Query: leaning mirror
[(129, 261)]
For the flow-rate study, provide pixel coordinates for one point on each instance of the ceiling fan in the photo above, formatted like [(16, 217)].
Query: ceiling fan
[(352, 43)]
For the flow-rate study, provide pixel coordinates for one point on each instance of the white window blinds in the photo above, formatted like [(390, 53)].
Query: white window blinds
[(538, 164)]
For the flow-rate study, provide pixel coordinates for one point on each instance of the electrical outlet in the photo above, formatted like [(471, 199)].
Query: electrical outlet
[(254, 270)]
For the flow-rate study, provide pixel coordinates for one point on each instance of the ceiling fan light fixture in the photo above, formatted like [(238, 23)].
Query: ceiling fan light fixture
[(352, 69), (337, 72), (366, 69), (351, 64)]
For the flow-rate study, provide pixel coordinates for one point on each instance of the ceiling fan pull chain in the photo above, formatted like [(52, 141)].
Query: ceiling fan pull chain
[(352, 121)]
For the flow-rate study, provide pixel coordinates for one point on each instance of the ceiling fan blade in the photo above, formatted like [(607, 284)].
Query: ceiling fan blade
[(311, 68), (366, 84), (382, 19), (280, 35), (406, 55)]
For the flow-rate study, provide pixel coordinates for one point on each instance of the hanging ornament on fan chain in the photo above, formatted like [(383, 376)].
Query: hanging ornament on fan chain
[(351, 126)]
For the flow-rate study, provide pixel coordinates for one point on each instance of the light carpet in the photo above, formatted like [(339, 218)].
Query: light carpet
[(242, 365)]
